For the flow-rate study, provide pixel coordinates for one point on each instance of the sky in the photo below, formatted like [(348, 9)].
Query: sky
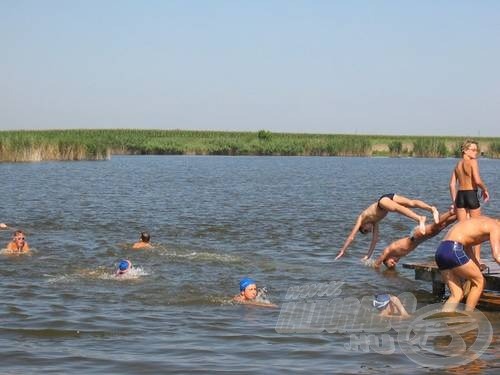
[(427, 67)]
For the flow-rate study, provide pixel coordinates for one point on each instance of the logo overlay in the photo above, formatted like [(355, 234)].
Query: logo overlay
[(429, 338)]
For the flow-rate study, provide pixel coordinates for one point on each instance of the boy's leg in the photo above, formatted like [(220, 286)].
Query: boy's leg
[(415, 203), (470, 271), (393, 206), (456, 292)]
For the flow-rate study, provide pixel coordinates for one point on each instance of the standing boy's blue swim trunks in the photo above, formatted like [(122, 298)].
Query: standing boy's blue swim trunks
[(450, 254)]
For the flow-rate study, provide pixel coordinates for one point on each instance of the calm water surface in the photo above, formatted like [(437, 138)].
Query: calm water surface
[(281, 220)]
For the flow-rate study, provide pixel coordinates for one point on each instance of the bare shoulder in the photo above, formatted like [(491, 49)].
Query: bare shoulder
[(472, 163)]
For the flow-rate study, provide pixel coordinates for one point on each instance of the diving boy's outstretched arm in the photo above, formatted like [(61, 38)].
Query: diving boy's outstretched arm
[(351, 236), (373, 243)]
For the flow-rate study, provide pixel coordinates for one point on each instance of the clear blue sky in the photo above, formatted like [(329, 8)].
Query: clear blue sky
[(366, 67)]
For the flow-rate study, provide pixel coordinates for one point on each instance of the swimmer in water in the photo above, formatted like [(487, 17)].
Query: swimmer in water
[(123, 267), (389, 306), (248, 294), (3, 226), (143, 242), (18, 243)]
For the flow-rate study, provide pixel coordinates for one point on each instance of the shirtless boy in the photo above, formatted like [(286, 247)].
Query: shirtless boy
[(457, 262), (248, 294), (402, 247), (18, 243), (143, 242), (466, 176)]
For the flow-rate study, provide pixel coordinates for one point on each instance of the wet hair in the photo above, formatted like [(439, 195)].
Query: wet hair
[(145, 236), (19, 231), (467, 143)]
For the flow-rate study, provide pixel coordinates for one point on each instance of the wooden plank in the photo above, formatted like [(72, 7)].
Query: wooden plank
[(428, 271), (490, 298)]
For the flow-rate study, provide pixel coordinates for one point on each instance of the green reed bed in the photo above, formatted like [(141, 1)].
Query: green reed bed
[(99, 144)]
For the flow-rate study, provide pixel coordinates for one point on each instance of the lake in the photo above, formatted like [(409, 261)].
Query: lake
[(213, 220)]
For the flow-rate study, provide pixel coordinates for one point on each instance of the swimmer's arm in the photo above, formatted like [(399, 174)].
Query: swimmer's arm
[(381, 258), (260, 304), (453, 187), (400, 307), (478, 181), (373, 242), (351, 236)]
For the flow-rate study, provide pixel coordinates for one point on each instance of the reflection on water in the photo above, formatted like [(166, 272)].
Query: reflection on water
[(212, 220)]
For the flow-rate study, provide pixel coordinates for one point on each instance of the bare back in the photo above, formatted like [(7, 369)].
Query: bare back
[(474, 231), (464, 172)]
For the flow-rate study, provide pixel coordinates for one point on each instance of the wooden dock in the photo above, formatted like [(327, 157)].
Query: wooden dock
[(490, 298)]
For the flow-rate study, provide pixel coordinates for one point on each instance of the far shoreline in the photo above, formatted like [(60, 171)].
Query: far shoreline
[(101, 144)]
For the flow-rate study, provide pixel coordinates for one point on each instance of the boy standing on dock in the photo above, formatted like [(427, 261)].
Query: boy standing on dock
[(466, 176), (457, 261)]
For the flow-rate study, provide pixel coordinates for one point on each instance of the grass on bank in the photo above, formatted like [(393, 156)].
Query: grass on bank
[(99, 144)]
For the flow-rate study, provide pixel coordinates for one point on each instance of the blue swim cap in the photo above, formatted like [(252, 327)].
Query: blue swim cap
[(124, 265), (246, 281), (381, 301)]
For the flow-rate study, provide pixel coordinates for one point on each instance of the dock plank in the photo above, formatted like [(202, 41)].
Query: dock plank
[(428, 271)]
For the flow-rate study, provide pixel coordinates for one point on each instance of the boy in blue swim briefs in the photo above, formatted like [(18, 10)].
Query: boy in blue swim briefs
[(457, 261)]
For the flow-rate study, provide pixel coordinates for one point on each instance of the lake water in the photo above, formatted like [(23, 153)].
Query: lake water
[(213, 220)]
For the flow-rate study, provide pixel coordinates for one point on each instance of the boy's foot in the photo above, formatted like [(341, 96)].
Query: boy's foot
[(435, 214), (421, 224)]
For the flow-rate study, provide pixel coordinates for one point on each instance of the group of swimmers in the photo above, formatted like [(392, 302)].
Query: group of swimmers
[(458, 255), (249, 294)]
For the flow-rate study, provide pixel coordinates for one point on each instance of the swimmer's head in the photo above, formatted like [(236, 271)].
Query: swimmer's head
[(124, 266), (391, 262), (366, 228), (381, 301), (19, 237), (145, 237), (248, 288)]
